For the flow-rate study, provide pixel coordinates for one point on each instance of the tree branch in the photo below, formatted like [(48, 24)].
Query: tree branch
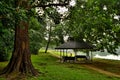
[(65, 3), (1, 17), (116, 38), (51, 5)]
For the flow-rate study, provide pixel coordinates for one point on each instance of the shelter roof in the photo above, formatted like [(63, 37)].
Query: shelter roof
[(75, 45)]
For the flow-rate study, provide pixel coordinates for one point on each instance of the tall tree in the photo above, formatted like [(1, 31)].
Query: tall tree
[(54, 18), (95, 22), (20, 61)]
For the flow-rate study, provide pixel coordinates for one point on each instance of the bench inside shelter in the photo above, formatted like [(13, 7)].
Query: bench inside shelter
[(81, 56), (68, 58)]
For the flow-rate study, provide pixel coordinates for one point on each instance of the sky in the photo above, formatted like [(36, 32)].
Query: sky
[(63, 10)]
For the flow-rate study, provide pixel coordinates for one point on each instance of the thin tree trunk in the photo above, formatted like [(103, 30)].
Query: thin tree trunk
[(49, 39)]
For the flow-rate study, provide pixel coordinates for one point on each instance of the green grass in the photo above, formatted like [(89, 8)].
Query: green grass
[(51, 69), (2, 65)]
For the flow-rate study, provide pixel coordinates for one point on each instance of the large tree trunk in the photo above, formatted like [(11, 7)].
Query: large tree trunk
[(21, 58), (20, 61)]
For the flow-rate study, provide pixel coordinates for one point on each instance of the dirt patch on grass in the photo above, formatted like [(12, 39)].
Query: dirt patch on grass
[(102, 71), (107, 65)]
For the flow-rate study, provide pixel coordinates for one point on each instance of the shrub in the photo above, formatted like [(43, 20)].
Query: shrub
[(4, 56), (36, 34), (6, 42)]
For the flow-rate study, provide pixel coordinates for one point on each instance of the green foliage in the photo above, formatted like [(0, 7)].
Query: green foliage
[(7, 12), (6, 33), (11, 15), (93, 21), (59, 33), (55, 16), (4, 55), (6, 42), (36, 33), (6, 7)]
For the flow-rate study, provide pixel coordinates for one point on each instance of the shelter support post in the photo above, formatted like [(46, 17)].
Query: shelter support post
[(91, 56), (60, 56), (88, 55), (66, 52), (75, 55)]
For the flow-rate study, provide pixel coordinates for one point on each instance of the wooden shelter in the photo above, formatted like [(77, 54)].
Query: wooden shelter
[(75, 45)]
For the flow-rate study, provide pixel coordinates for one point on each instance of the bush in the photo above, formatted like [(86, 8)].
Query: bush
[(35, 46), (36, 34), (35, 41), (4, 56), (6, 42)]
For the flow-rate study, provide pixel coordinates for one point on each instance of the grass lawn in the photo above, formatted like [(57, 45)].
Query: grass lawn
[(104, 64), (51, 69)]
